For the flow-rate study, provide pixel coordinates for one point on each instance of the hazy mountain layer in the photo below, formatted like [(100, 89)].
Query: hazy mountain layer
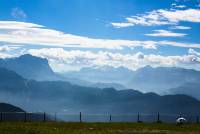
[(36, 68), (162, 78), (191, 89), (145, 79), (55, 96)]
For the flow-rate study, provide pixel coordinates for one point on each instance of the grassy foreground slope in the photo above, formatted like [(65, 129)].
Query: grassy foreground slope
[(95, 128)]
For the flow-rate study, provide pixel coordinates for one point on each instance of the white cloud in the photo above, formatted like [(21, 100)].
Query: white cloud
[(173, 4), (61, 59), (180, 27), (28, 33), (162, 17), (9, 47), (177, 44), (188, 15), (180, 6), (3, 51), (4, 48), (33, 34), (165, 33), (16, 25), (120, 25), (4, 55), (18, 13), (193, 52)]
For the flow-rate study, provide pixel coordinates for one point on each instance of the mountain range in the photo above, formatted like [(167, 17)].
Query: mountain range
[(156, 79), (161, 80), (60, 95), (35, 68), (55, 96)]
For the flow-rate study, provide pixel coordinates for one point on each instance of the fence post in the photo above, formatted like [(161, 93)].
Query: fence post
[(1, 116), (25, 117), (138, 118), (110, 118), (44, 117), (197, 119), (80, 117), (55, 117), (158, 118)]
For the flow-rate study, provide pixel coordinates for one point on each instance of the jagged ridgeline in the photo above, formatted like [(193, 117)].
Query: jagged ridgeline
[(59, 95)]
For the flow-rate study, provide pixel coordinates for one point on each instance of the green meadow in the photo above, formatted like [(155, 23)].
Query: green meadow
[(96, 128)]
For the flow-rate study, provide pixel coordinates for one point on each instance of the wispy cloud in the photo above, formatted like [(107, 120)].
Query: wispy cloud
[(28, 33), (120, 25), (165, 33), (161, 17), (33, 34), (9, 47), (180, 27), (193, 52), (18, 13), (4, 48), (4, 55), (180, 6), (175, 5)]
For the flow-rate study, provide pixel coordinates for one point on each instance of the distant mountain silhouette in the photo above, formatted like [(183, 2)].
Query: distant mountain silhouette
[(55, 96), (162, 78), (156, 79), (191, 89), (30, 67), (146, 79), (11, 81), (36, 68), (108, 85), (54, 93), (4, 107), (13, 113), (106, 74)]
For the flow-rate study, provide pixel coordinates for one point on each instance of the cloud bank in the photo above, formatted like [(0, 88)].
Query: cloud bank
[(60, 58), (34, 34)]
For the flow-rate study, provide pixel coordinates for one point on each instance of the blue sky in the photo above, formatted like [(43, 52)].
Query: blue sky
[(94, 33)]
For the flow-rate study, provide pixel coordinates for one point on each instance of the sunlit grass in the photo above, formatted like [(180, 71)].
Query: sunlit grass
[(95, 128)]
